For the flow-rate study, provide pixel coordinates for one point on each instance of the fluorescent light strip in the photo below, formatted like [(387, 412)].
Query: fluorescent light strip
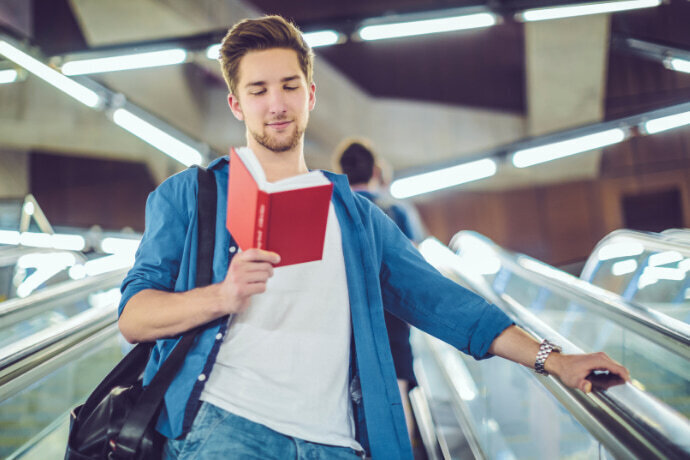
[(559, 12), (544, 153), (665, 123), (443, 178), (625, 248), (624, 267), (680, 65), (313, 39), (125, 62), (429, 26), (321, 38), (45, 73), (8, 76), (213, 51), (113, 245), (158, 138)]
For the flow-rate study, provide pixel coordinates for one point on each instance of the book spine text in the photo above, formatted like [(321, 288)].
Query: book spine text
[(261, 220)]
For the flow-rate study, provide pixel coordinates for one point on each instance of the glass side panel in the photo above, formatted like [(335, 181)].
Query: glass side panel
[(513, 415), (661, 372), (658, 279), (60, 311), (27, 413)]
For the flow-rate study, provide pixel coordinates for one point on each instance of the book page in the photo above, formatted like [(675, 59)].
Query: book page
[(310, 179)]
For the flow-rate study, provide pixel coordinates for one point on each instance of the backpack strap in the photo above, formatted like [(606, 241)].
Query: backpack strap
[(149, 402)]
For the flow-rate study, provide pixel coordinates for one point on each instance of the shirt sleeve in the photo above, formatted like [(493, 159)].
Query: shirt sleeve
[(416, 292), (157, 260)]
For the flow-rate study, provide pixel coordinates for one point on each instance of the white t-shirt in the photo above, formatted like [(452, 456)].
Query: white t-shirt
[(284, 362)]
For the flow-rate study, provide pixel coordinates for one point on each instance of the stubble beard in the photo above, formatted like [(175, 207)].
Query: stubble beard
[(273, 144)]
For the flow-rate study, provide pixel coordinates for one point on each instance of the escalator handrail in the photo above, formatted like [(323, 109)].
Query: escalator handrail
[(671, 334), (654, 241), (628, 422), (95, 318), (14, 310)]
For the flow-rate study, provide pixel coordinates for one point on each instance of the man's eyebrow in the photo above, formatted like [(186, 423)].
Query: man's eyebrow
[(263, 83), (255, 83)]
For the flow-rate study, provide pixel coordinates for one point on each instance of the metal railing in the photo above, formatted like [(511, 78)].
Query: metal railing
[(627, 422)]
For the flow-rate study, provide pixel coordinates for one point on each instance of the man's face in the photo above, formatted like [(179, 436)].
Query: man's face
[(273, 98)]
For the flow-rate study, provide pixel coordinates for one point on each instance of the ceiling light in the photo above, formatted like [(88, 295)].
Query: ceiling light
[(665, 123), (213, 51), (158, 138), (543, 153), (443, 178), (8, 76), (9, 237), (322, 38), (680, 65), (125, 62), (47, 74), (558, 12), (625, 248), (113, 245), (428, 26), (664, 258), (624, 267)]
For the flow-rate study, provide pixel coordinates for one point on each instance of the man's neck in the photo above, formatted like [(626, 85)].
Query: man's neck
[(280, 165)]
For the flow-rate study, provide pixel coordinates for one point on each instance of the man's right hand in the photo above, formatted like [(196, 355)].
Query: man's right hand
[(151, 314), (247, 275)]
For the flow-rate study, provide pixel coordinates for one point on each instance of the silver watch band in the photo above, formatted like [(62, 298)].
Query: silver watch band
[(545, 350)]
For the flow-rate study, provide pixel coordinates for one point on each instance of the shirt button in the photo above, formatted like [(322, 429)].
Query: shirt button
[(219, 336), (201, 377), (233, 249)]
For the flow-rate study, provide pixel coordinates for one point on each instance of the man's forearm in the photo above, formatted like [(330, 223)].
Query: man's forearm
[(152, 314), (517, 345)]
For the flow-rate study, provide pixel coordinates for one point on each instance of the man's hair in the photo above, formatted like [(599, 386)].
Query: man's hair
[(357, 161), (261, 34)]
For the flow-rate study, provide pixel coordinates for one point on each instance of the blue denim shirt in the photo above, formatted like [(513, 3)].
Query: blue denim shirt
[(383, 270)]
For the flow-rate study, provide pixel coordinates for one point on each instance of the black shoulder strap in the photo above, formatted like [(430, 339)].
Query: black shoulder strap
[(149, 402)]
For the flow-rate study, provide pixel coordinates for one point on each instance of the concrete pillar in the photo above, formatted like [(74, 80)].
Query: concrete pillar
[(14, 174), (566, 65)]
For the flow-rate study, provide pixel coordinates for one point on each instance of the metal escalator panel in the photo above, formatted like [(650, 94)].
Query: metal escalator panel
[(48, 391), (506, 411), (655, 348), (550, 303), (20, 318), (652, 269)]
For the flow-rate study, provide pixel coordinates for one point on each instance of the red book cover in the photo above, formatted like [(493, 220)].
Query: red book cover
[(288, 217)]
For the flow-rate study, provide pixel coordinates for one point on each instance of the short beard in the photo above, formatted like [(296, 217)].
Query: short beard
[(274, 146)]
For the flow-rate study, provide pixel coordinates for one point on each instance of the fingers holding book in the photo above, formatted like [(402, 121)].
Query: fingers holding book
[(247, 275)]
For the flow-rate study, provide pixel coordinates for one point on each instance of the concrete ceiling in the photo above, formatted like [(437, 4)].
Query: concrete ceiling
[(542, 77)]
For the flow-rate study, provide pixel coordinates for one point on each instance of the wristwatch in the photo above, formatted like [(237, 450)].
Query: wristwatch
[(545, 350)]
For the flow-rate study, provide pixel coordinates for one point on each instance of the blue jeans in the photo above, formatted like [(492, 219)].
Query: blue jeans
[(218, 434)]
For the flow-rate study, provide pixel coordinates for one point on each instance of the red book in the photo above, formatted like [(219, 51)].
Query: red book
[(288, 217)]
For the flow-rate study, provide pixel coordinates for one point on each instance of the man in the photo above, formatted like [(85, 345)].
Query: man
[(293, 362), (357, 161)]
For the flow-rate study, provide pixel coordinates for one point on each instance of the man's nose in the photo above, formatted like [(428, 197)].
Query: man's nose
[(277, 102)]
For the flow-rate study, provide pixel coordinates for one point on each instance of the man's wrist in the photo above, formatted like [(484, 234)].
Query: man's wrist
[(546, 351), (552, 363)]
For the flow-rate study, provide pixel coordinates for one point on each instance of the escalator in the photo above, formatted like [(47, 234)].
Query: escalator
[(511, 413), (464, 408), (652, 269), (55, 346)]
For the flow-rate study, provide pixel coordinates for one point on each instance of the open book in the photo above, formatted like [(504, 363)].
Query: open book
[(288, 216)]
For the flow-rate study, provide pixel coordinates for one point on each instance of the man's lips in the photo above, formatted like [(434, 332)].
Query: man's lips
[(279, 124)]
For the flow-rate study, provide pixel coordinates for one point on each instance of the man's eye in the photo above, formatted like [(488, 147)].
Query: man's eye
[(290, 88), (258, 93)]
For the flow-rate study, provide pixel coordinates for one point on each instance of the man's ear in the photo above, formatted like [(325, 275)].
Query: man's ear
[(312, 96), (234, 104)]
